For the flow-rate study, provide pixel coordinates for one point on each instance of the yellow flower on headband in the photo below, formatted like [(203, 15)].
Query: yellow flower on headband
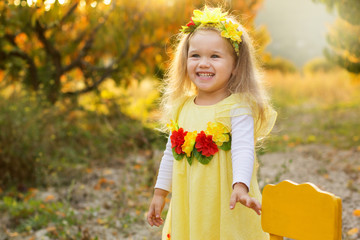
[(209, 16), (230, 31), (216, 19)]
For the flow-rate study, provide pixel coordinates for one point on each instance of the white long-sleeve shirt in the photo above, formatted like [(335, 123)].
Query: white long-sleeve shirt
[(242, 154)]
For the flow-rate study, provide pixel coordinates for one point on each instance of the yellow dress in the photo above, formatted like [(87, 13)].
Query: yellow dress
[(199, 207)]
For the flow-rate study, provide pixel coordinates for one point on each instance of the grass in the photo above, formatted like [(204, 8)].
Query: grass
[(308, 90), (29, 214), (315, 108)]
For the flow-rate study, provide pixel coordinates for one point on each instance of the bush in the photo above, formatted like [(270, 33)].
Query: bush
[(21, 136), (319, 65), (40, 142), (280, 64)]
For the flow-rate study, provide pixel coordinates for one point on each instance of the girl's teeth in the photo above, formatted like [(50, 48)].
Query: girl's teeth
[(206, 74)]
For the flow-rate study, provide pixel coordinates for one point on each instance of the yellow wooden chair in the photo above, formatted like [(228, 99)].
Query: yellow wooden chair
[(301, 212)]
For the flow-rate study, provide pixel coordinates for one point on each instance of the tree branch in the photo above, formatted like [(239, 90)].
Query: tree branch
[(49, 48), (130, 34), (141, 48), (11, 39), (32, 71), (84, 51), (69, 12), (95, 84)]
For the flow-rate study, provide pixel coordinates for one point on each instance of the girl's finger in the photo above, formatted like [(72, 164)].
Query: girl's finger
[(157, 211), (257, 211), (232, 201), (248, 202), (150, 216), (256, 206), (251, 203), (158, 222), (244, 201), (149, 220)]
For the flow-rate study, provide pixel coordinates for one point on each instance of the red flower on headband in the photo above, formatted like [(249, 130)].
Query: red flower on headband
[(205, 144), (191, 23), (177, 140)]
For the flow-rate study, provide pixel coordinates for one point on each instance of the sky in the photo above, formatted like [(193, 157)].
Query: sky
[(297, 27)]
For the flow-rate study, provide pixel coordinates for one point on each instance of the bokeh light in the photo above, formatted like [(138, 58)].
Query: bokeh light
[(107, 2)]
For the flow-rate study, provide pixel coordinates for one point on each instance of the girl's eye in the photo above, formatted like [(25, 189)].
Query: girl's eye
[(195, 55), (215, 56)]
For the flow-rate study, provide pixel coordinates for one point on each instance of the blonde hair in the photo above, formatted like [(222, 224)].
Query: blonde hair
[(247, 79)]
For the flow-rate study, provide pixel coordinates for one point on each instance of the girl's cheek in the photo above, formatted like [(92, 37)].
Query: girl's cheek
[(190, 64)]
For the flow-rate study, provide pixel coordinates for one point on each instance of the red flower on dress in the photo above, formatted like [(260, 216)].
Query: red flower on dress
[(168, 236), (191, 23), (177, 140), (205, 144)]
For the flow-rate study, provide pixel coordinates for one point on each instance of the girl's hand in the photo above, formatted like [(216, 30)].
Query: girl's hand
[(156, 207), (240, 194)]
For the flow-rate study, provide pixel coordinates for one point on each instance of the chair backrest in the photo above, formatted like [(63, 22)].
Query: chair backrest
[(301, 212)]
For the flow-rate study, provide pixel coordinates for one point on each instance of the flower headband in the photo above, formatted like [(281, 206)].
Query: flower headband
[(215, 18)]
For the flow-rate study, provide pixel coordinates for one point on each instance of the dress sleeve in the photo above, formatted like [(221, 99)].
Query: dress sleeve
[(164, 178), (262, 130), (242, 148)]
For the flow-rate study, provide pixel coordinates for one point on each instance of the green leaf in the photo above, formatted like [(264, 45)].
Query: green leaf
[(177, 156), (190, 159), (226, 146), (201, 158)]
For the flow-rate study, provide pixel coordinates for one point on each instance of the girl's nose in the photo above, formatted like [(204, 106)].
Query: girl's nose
[(204, 62)]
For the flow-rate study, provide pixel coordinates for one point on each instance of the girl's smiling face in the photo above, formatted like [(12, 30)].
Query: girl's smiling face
[(210, 63)]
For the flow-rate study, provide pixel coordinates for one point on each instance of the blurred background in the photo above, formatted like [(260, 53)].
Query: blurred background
[(80, 86)]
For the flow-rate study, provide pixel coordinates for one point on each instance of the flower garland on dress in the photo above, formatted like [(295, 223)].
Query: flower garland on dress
[(202, 146), (215, 18)]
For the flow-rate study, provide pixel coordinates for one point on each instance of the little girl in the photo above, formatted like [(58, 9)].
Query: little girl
[(217, 111)]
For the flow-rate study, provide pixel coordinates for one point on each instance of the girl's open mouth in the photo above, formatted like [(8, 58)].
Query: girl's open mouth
[(202, 74)]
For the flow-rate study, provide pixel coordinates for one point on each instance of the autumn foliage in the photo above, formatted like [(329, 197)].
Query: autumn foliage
[(63, 50)]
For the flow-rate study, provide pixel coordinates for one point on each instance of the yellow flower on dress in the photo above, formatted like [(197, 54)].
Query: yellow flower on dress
[(231, 32), (172, 126), (209, 16), (218, 132), (189, 143)]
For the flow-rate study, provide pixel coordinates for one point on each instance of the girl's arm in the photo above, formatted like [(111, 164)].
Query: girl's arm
[(242, 151), (166, 167), (162, 187)]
